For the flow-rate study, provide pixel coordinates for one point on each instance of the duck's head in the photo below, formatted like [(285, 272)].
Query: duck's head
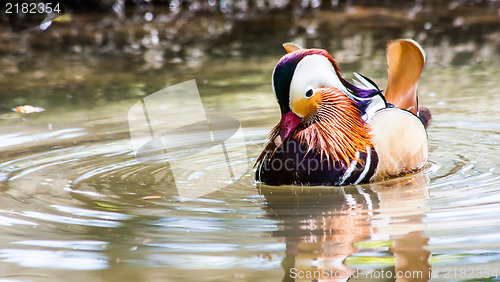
[(299, 81)]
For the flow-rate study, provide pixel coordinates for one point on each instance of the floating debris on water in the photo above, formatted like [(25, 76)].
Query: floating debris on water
[(28, 109)]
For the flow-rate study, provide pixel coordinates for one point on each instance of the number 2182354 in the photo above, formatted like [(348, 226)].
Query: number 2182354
[(32, 8)]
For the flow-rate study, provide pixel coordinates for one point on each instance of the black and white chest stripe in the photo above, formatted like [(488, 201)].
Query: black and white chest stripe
[(361, 168)]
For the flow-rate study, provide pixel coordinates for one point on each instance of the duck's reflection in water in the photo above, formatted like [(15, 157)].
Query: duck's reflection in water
[(357, 233)]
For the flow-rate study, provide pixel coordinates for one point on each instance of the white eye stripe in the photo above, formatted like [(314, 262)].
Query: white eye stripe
[(312, 72)]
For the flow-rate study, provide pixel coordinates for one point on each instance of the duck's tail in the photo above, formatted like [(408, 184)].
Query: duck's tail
[(405, 59)]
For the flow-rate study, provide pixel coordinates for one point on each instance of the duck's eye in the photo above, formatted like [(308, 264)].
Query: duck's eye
[(309, 93)]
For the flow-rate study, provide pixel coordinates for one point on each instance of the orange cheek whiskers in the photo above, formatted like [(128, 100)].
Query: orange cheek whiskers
[(338, 131)]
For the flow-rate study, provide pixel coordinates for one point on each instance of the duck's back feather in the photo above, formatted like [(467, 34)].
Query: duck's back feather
[(405, 59)]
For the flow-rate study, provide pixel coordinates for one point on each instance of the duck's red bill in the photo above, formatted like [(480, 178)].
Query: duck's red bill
[(289, 122)]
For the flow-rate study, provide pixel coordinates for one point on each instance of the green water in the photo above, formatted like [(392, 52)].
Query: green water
[(75, 203)]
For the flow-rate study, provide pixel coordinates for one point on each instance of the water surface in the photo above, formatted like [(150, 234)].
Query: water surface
[(76, 203)]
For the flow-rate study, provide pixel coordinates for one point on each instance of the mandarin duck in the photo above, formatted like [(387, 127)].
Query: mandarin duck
[(333, 132)]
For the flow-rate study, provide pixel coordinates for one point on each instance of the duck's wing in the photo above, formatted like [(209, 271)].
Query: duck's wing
[(405, 59)]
